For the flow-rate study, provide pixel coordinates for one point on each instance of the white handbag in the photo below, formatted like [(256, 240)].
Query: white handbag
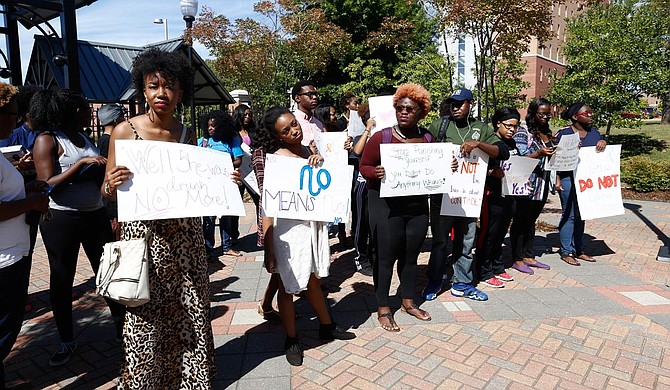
[(123, 275)]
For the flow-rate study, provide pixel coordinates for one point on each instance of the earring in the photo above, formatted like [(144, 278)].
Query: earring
[(147, 108), (180, 110)]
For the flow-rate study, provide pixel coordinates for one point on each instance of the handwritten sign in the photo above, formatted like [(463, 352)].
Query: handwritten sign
[(331, 147), (566, 156), (517, 171), (294, 190), (381, 108), (598, 182), (172, 180), (247, 170), (466, 186), (356, 126), (415, 169)]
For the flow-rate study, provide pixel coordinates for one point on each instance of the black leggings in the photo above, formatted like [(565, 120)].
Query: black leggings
[(398, 226), (499, 212), (62, 236), (522, 232)]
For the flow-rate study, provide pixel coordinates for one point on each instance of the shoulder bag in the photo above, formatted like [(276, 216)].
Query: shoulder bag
[(123, 275)]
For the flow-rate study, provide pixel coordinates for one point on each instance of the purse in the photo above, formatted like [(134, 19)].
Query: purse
[(123, 275)]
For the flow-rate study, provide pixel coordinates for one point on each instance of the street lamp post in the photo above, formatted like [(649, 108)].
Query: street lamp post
[(164, 22), (189, 8)]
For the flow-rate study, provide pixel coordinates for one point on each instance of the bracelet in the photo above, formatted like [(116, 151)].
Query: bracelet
[(108, 189)]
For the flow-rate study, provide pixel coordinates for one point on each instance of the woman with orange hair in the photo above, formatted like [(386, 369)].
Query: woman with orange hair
[(398, 224)]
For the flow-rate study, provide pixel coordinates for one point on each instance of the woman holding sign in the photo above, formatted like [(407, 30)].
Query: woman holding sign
[(571, 226), (168, 341), (297, 250), (398, 225)]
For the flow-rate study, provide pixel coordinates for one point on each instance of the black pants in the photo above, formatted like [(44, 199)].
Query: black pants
[(62, 236), (362, 225), (522, 232), (235, 227), (398, 226), (13, 292), (494, 228)]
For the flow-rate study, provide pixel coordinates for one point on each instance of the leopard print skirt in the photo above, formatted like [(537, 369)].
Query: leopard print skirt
[(168, 341)]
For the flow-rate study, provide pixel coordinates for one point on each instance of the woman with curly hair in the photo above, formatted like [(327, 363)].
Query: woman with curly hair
[(398, 224), (168, 341), (15, 201), (72, 166), (300, 261), (220, 135)]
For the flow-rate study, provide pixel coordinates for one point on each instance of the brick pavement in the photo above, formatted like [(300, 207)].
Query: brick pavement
[(600, 325)]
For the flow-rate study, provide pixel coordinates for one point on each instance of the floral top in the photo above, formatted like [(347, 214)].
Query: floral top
[(526, 143)]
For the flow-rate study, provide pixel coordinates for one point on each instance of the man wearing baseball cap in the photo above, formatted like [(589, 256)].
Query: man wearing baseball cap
[(458, 127)]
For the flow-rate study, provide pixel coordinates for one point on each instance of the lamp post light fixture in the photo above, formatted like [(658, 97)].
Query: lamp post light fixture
[(164, 22), (189, 8)]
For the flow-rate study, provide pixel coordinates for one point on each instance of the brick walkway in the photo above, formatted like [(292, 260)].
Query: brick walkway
[(600, 325)]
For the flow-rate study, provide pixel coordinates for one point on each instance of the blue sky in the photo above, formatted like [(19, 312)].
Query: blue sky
[(130, 22)]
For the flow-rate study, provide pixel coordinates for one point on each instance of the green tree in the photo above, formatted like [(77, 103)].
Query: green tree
[(657, 78), (613, 58)]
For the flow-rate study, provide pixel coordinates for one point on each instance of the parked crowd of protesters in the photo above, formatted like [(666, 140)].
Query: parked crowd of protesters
[(67, 186)]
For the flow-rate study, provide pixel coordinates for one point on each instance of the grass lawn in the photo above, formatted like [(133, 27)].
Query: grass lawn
[(651, 139)]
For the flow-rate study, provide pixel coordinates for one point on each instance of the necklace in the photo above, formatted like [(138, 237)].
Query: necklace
[(397, 131)]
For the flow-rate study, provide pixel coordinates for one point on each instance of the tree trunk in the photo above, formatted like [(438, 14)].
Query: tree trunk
[(449, 64), (665, 109), (609, 127)]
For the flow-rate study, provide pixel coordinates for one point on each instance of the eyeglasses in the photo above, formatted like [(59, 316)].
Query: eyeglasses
[(585, 113), (544, 114), (408, 109), (509, 126), (311, 95)]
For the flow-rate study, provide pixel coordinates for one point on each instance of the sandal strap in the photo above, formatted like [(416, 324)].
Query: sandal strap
[(388, 315)]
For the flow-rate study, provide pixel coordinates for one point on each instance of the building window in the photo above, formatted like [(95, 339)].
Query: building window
[(540, 73)]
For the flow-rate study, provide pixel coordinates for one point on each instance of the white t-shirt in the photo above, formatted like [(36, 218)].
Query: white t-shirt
[(14, 233)]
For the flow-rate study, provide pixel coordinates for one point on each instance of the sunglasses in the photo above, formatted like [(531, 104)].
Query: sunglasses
[(585, 113), (408, 109), (544, 114)]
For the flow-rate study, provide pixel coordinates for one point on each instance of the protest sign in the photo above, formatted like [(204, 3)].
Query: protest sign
[(173, 180), (566, 156), (517, 171), (415, 169), (247, 170), (598, 182), (294, 190), (381, 108), (466, 185), (331, 147), (355, 127)]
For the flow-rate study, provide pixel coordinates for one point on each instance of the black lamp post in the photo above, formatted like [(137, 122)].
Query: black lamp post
[(189, 8)]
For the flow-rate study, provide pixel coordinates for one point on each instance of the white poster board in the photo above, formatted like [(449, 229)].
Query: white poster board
[(331, 147), (598, 182), (517, 171), (566, 156), (415, 169), (356, 126), (381, 108), (466, 186), (173, 180), (294, 190), (247, 170)]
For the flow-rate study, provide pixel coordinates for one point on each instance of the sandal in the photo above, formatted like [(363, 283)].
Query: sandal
[(416, 312), (570, 260), (272, 316), (232, 253), (586, 257), (391, 326)]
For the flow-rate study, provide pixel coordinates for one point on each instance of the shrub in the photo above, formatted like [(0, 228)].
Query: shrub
[(644, 175)]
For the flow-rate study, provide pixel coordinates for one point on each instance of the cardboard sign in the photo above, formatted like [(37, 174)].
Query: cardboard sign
[(331, 147), (247, 170), (517, 171), (598, 182), (173, 180), (294, 190), (466, 186), (381, 108), (415, 169), (566, 156)]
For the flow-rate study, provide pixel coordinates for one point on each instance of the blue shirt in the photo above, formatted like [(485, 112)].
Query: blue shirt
[(23, 136), (234, 148)]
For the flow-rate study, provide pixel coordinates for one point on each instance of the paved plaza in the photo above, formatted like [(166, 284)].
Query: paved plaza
[(599, 325)]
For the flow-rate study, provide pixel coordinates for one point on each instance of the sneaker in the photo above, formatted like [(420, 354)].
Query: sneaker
[(468, 291), (63, 355), (366, 269), (293, 351), (363, 265), (332, 332), (431, 290), (505, 277), (494, 282)]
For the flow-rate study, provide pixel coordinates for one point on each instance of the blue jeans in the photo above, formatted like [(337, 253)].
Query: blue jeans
[(225, 229), (13, 292), (464, 242), (571, 227)]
